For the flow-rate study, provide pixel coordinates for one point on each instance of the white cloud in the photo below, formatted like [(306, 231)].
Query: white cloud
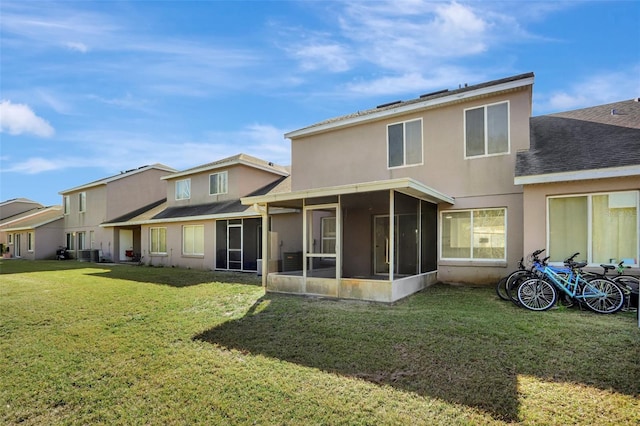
[(77, 46), (598, 89), (32, 166), (17, 119)]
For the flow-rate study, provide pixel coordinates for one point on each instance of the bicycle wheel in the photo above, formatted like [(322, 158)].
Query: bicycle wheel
[(501, 290), (602, 296), (513, 282), (537, 294), (630, 287)]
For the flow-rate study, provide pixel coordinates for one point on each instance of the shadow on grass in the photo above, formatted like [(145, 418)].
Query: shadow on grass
[(174, 277), (444, 352)]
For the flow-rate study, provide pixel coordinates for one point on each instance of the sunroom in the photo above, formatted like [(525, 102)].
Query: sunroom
[(350, 247)]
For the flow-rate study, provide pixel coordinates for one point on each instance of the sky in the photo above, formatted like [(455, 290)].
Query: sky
[(92, 88)]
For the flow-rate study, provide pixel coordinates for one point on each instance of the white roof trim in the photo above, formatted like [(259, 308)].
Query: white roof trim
[(397, 184), (35, 213), (238, 215), (34, 226), (412, 107), (229, 163), (611, 172)]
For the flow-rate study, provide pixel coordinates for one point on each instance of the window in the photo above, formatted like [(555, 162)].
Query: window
[(67, 204), (92, 239), (328, 235), (474, 234), (193, 240), (183, 189), (158, 240), (69, 241), (487, 130), (404, 143), (82, 202), (602, 227), (218, 183), (82, 240), (9, 238), (30, 241)]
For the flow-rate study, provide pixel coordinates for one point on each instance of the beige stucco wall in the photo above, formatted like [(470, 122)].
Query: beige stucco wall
[(242, 180), (359, 153), (535, 203), (108, 201)]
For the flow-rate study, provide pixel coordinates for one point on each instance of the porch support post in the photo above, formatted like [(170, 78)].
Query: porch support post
[(263, 209), (392, 232)]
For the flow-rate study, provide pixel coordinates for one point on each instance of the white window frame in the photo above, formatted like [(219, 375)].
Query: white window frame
[(221, 185), (486, 130), (82, 202), (471, 211), (66, 202), (157, 231), (589, 196), (31, 241), (191, 251), (404, 144), (183, 193)]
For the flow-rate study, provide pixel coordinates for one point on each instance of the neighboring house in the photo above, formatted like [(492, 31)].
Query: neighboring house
[(441, 166), (17, 205), (581, 181), (32, 234), (202, 223), (87, 206)]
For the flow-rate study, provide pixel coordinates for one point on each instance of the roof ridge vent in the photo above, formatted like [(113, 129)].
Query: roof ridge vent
[(388, 104)]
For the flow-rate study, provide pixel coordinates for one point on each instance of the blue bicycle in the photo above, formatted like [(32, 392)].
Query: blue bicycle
[(540, 293)]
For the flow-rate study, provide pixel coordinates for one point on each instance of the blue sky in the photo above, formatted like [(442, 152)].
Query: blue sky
[(91, 88)]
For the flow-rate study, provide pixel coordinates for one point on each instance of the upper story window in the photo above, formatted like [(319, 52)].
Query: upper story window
[(218, 183), (66, 201), (82, 202), (183, 189), (404, 143), (486, 130)]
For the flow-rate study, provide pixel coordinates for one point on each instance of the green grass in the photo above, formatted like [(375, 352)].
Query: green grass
[(85, 343)]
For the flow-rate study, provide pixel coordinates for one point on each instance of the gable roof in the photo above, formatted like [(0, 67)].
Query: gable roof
[(32, 219), (596, 142), (243, 159), (158, 212), (121, 175), (429, 100)]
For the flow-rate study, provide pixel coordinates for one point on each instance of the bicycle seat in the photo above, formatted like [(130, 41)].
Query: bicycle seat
[(607, 267), (577, 265)]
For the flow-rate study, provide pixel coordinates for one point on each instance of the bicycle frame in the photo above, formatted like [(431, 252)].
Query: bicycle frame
[(570, 284)]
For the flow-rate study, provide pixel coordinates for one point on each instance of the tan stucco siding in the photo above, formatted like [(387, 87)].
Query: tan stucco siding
[(359, 153)]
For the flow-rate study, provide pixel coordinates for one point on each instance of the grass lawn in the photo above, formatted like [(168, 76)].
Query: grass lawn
[(84, 343)]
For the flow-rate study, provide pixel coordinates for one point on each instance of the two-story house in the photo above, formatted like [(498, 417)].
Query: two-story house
[(88, 206), (29, 230), (407, 193), (203, 225)]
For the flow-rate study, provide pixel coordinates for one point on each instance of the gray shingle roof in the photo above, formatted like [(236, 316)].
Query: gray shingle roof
[(599, 137)]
